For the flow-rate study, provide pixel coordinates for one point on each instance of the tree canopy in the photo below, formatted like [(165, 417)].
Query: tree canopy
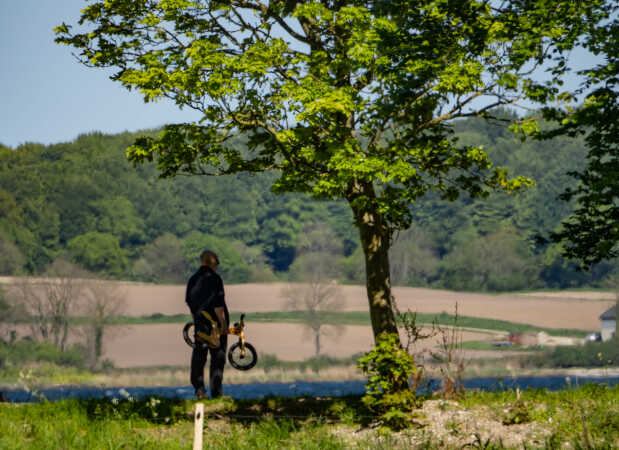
[(591, 233), (352, 100)]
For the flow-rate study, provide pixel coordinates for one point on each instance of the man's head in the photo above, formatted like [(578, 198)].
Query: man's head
[(209, 258)]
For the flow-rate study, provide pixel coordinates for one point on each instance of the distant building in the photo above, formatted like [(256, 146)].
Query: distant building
[(609, 323)]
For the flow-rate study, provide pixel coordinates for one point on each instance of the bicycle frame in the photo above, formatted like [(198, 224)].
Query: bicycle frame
[(213, 337)]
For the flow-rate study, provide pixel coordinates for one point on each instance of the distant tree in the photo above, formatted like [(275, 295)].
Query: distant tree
[(316, 294), (319, 237), (414, 258), (98, 252), (498, 262), (163, 261), (50, 300), (102, 301), (233, 268), (255, 258), (346, 100), (116, 216), (11, 313), (11, 259)]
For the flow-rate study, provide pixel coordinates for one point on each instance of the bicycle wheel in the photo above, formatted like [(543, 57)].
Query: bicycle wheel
[(187, 333), (242, 362)]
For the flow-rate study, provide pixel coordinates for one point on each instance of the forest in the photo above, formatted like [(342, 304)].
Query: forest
[(82, 201)]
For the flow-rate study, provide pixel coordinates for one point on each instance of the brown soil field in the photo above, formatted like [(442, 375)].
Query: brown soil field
[(541, 310), (571, 309), (162, 344)]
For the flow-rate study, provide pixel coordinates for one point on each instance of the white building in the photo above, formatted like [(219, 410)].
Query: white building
[(609, 323)]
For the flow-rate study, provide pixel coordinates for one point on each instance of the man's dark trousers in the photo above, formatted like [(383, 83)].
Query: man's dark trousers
[(216, 370)]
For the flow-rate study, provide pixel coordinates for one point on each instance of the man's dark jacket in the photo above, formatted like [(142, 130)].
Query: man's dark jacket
[(208, 295)]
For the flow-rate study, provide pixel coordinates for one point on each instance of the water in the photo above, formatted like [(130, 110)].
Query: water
[(301, 388)]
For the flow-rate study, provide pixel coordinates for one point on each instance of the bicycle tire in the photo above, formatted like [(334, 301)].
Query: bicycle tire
[(187, 335), (242, 362)]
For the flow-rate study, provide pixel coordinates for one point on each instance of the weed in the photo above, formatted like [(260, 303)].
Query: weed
[(451, 358)]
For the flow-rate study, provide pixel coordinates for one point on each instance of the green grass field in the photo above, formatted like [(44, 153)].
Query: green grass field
[(587, 417), (358, 318)]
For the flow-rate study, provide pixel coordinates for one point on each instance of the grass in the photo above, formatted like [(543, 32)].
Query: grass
[(585, 417), (356, 318), (268, 369)]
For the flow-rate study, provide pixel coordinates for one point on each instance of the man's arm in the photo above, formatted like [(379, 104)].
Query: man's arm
[(221, 317)]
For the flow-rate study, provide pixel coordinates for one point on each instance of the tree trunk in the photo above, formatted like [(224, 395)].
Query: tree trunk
[(375, 237), (65, 335), (98, 342), (317, 341)]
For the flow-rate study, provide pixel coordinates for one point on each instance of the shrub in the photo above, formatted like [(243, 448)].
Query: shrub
[(389, 368), (591, 354), (26, 351)]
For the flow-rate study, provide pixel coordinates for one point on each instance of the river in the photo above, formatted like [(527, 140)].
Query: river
[(297, 389)]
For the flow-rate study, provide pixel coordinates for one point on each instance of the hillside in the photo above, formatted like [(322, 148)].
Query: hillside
[(82, 201)]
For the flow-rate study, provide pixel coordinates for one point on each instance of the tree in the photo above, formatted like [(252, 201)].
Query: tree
[(348, 100), (414, 258), (233, 268), (317, 294), (163, 261), (499, 262), (49, 301), (102, 302), (10, 314), (11, 259), (98, 252), (591, 233)]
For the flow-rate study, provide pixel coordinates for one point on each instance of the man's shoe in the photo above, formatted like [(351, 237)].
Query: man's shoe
[(201, 394)]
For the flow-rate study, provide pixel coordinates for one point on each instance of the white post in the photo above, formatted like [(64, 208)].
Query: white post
[(198, 426)]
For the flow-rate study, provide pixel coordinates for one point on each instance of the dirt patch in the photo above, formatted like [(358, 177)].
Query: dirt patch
[(162, 344)]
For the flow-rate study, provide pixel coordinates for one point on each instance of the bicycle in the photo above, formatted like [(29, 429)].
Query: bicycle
[(237, 354)]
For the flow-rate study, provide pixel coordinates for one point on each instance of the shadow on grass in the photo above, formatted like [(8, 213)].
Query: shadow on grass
[(300, 410)]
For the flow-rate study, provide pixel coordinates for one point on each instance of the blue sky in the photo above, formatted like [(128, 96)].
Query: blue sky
[(48, 97)]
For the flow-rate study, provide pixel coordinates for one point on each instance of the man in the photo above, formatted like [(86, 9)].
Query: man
[(205, 292)]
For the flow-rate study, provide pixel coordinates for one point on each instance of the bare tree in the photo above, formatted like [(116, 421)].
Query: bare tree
[(10, 315), (49, 301), (317, 294), (102, 301)]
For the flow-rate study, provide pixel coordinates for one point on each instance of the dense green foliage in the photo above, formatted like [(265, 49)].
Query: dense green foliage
[(83, 199), (591, 233)]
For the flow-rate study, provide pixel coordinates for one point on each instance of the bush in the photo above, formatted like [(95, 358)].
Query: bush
[(591, 354), (27, 351), (389, 368)]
